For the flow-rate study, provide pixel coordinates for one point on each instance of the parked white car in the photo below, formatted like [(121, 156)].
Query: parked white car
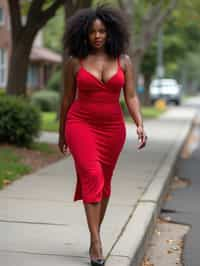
[(167, 89)]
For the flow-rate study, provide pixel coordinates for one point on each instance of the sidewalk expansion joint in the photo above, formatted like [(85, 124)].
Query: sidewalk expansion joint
[(122, 231), (26, 222), (38, 199), (38, 253)]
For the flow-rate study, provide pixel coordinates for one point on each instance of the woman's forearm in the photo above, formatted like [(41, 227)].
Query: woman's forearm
[(63, 112), (133, 105)]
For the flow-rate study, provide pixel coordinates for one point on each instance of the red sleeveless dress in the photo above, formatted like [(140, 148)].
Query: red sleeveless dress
[(95, 133)]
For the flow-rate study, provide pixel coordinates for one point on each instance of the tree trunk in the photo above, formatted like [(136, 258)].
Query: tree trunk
[(18, 68), (136, 58), (23, 37), (147, 81)]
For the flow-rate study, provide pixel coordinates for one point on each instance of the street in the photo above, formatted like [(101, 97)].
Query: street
[(176, 237)]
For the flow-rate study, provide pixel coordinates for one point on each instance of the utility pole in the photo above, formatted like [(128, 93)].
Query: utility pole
[(160, 66)]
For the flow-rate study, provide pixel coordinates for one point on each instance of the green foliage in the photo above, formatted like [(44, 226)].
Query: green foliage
[(20, 121), (53, 31), (192, 65), (148, 65), (46, 100), (46, 5), (54, 83), (181, 34)]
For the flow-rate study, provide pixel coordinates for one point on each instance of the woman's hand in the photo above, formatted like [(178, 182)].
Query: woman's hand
[(63, 146), (142, 137)]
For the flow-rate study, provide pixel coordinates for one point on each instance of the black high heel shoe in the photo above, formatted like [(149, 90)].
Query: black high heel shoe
[(96, 262)]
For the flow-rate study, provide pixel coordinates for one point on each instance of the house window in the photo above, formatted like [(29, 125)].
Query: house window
[(3, 67), (33, 76), (2, 17)]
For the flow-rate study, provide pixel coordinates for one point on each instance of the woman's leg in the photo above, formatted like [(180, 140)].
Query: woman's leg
[(104, 204), (92, 211), (95, 213), (107, 172)]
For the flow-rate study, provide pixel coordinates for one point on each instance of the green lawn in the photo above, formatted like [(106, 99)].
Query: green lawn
[(42, 147), (148, 113), (151, 112), (49, 123), (10, 166)]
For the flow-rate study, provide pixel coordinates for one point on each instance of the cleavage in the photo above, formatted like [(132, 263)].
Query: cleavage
[(97, 78)]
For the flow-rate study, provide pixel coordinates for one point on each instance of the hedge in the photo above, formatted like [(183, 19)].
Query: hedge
[(20, 121)]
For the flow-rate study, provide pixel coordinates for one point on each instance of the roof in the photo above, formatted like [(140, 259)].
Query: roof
[(41, 54)]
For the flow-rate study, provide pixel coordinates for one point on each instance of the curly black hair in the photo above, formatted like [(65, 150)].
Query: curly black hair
[(75, 39)]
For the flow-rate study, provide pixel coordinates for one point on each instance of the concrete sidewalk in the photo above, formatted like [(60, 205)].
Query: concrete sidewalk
[(40, 225)]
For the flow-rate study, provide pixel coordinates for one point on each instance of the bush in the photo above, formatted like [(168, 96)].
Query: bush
[(54, 83), (46, 101), (20, 121)]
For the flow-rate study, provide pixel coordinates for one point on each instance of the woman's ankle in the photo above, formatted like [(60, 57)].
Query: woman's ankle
[(95, 250)]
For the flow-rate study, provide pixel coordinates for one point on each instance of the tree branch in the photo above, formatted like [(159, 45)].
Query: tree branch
[(127, 6), (153, 11), (35, 6), (38, 18), (15, 17), (153, 24)]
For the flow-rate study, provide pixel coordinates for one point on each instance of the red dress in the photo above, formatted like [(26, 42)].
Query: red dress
[(95, 133)]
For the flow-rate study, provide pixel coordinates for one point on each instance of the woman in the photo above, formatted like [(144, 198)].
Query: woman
[(92, 126)]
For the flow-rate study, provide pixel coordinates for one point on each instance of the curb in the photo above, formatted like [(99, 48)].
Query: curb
[(131, 246)]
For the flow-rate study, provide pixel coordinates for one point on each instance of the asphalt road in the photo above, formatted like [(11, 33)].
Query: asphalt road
[(184, 206)]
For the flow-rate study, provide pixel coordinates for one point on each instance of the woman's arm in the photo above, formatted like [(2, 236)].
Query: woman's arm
[(132, 100), (69, 92)]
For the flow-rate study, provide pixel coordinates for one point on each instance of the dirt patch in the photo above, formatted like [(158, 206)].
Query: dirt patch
[(34, 158), (166, 245)]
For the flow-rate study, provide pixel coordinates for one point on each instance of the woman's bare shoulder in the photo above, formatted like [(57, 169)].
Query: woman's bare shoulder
[(71, 63)]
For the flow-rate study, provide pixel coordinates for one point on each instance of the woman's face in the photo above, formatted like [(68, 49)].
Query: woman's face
[(97, 34)]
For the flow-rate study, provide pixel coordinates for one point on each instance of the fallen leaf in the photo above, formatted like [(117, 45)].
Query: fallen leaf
[(170, 241), (169, 251), (6, 181)]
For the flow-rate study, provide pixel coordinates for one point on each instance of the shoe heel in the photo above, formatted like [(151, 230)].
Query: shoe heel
[(99, 262)]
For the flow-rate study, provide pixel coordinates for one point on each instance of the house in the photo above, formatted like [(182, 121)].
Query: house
[(43, 61)]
